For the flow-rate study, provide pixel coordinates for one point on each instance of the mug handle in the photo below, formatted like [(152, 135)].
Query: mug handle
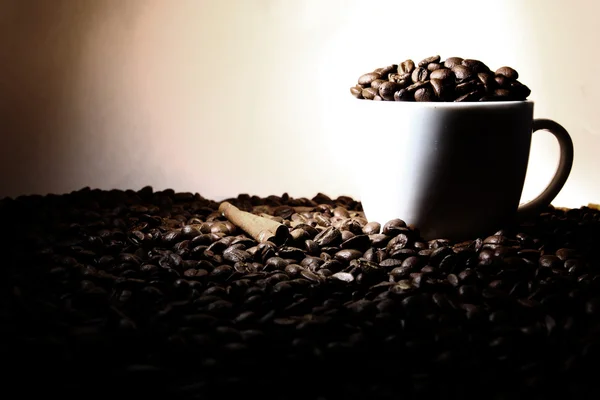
[(562, 173)]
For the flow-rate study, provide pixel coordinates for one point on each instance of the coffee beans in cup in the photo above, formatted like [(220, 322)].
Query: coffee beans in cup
[(455, 79)]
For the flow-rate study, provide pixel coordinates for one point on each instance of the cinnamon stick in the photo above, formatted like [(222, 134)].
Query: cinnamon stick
[(261, 229)]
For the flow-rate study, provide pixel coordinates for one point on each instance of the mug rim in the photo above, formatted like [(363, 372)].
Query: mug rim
[(442, 104)]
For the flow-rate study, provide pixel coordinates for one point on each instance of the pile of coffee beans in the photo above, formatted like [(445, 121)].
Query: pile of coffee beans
[(431, 79), (153, 294)]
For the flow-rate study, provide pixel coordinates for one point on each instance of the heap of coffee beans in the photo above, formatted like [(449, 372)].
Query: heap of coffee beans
[(431, 79), (153, 294)]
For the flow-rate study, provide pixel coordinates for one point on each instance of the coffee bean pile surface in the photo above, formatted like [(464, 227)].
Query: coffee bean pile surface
[(153, 294), (452, 80)]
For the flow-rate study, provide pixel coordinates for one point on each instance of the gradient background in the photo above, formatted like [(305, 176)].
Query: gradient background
[(224, 97)]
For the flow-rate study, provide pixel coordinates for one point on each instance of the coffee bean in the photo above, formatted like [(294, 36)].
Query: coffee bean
[(311, 247), (369, 93), (310, 275), (406, 67), (502, 93), (550, 261), (443, 74), (451, 62), (502, 81), (348, 255), (461, 72), (402, 80), (329, 237), (235, 255), (487, 79), (473, 96), (343, 277), (434, 66), (366, 79), (475, 65), (291, 253), (428, 60), (466, 87), (403, 95), (519, 91), (398, 242), (358, 242), (419, 75), (412, 263), (385, 71), (390, 263), (390, 227), (222, 272), (376, 84), (346, 235), (508, 72), (371, 228), (424, 94), (439, 89), (387, 90)]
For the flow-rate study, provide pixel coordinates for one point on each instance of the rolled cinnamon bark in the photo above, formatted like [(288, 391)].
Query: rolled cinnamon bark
[(261, 229)]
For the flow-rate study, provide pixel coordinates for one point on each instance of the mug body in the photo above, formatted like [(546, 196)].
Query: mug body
[(452, 170)]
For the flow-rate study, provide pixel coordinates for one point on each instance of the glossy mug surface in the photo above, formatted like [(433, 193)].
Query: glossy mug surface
[(452, 170)]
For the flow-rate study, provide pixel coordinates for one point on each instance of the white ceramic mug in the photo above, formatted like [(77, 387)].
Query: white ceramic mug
[(452, 170)]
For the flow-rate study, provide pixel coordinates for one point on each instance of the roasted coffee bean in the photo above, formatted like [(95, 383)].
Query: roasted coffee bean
[(439, 89), (502, 81), (401, 80), (387, 90), (487, 79), (366, 79), (443, 74), (343, 277), (358, 242), (519, 91), (451, 62), (461, 72), (550, 261), (329, 237), (391, 227), (390, 263), (369, 93), (348, 255), (403, 95), (379, 240), (465, 87), (508, 72), (424, 94), (473, 96), (347, 235), (236, 255), (428, 60), (475, 65), (398, 242), (434, 66), (406, 67), (385, 71), (371, 228), (413, 263), (376, 84), (502, 93), (419, 75), (356, 91), (309, 275)]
